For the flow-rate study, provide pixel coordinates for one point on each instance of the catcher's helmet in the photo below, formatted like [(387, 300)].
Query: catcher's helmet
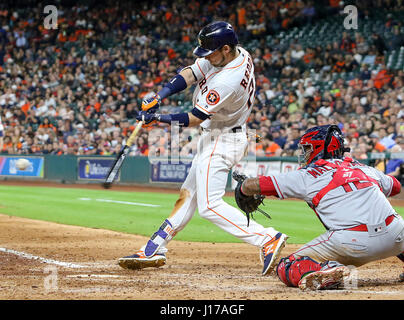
[(214, 36), (322, 142)]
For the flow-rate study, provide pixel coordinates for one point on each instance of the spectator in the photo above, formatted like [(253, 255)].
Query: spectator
[(397, 39), (87, 77), (394, 166), (268, 148), (379, 43), (278, 138), (385, 139)]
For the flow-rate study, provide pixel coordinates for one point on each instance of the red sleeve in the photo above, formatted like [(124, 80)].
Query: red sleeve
[(396, 189), (267, 186)]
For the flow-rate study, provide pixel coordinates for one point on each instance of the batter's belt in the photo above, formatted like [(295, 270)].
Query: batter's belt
[(234, 130)]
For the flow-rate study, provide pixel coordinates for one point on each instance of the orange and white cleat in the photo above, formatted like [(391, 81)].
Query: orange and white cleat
[(270, 252)]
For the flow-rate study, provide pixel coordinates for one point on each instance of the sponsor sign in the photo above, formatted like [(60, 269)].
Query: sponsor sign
[(169, 172), (35, 168), (256, 169), (94, 168)]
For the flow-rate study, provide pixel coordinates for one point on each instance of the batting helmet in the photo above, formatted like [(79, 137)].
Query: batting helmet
[(322, 142), (214, 36)]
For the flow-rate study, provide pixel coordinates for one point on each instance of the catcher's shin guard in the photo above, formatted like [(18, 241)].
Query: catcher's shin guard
[(164, 234), (291, 270), (307, 273)]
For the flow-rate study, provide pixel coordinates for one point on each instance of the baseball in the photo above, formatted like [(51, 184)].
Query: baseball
[(22, 164)]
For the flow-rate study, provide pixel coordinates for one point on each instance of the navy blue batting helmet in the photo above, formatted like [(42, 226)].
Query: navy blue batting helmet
[(214, 36)]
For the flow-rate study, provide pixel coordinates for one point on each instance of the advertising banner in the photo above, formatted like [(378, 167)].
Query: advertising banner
[(94, 168), (169, 172), (35, 168), (289, 166), (262, 168)]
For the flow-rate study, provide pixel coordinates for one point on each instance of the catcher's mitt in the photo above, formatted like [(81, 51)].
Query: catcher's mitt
[(248, 204)]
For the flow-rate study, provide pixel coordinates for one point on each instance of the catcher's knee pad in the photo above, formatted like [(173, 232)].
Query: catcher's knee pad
[(164, 234), (290, 269)]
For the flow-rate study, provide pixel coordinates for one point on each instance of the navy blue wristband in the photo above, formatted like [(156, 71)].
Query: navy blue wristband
[(175, 85), (199, 114), (181, 118)]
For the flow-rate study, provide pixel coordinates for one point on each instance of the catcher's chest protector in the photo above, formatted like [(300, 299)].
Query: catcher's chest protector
[(342, 177)]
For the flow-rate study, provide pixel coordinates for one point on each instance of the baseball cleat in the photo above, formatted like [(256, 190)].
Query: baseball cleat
[(139, 261), (324, 280), (270, 252)]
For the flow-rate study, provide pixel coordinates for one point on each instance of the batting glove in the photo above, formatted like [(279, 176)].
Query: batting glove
[(146, 116), (151, 104)]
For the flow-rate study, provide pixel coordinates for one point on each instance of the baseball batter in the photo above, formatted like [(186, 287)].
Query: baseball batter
[(222, 101), (349, 198)]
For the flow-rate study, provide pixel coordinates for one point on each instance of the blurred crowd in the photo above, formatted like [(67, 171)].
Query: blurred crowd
[(77, 89)]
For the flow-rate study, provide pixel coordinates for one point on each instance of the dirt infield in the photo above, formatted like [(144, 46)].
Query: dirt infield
[(42, 260)]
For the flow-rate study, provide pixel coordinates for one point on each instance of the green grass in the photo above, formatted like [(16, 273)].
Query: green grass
[(63, 206)]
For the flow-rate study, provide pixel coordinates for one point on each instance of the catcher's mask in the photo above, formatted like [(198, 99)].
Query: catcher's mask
[(322, 142)]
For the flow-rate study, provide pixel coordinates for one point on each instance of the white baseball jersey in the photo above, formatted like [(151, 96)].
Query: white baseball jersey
[(359, 202), (225, 94)]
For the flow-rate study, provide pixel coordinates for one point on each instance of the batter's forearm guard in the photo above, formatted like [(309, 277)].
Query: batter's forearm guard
[(181, 118), (175, 85)]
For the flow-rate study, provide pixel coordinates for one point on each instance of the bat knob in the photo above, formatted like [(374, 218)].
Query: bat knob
[(106, 185)]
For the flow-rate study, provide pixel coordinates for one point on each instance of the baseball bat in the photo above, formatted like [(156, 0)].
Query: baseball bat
[(113, 172)]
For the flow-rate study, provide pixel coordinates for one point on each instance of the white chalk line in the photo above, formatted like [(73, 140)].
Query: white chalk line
[(45, 260), (122, 202)]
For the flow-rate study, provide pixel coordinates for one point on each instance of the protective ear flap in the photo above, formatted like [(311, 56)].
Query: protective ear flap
[(333, 145)]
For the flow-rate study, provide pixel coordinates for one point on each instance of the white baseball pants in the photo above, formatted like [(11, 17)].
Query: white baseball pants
[(205, 185)]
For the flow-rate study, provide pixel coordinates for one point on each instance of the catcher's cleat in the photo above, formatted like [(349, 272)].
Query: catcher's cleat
[(139, 261), (324, 280), (270, 252)]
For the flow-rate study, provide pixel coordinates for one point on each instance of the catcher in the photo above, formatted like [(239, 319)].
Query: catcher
[(349, 198)]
